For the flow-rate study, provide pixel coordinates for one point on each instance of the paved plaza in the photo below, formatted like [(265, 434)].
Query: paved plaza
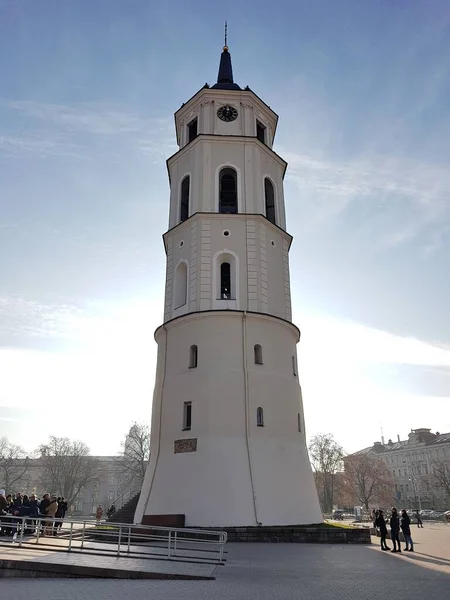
[(282, 572)]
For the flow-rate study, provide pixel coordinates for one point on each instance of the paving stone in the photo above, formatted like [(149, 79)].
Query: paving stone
[(272, 572)]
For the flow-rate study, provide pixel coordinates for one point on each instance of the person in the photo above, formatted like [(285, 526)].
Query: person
[(99, 513), (34, 509), (111, 510), (3, 503), (419, 520), (381, 524), (405, 523), (394, 522), (60, 514), (44, 504), (3, 511), (374, 517), (50, 511)]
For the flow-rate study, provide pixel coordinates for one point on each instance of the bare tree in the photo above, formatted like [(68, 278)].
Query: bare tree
[(326, 458), (14, 465), (132, 462), (368, 479), (67, 467), (441, 475)]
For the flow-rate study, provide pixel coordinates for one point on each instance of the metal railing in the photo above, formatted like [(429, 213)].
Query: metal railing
[(121, 500), (114, 539)]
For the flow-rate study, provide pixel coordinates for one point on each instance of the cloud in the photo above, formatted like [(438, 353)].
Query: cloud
[(91, 321), (409, 196), (36, 144), (52, 129), (340, 342)]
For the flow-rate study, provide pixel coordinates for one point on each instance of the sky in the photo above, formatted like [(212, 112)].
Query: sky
[(87, 95)]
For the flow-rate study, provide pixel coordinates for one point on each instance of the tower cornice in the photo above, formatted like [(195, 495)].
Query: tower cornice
[(202, 314), (205, 94), (240, 139), (220, 216)]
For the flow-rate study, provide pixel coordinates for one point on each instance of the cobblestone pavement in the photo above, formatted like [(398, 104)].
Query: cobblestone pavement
[(431, 547), (263, 572)]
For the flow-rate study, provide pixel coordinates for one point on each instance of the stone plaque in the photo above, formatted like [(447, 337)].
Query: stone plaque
[(189, 445)]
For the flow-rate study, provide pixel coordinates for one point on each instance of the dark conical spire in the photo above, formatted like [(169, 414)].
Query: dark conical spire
[(225, 76)]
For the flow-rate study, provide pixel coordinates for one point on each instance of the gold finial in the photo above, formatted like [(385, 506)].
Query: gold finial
[(225, 48)]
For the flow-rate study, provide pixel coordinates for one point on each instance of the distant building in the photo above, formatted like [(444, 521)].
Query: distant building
[(105, 490), (412, 464)]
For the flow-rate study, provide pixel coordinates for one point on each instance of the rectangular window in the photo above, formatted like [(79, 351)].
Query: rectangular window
[(192, 129), (187, 416), (294, 366), (193, 357), (260, 132)]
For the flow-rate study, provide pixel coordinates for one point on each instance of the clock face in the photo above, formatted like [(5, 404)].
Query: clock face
[(227, 113)]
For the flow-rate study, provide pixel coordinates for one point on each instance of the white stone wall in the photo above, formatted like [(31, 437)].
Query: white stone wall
[(203, 159), (259, 250), (240, 474), (204, 106), (226, 470)]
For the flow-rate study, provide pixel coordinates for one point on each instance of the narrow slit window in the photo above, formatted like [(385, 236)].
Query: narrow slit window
[(269, 194), (193, 356), (184, 200), (228, 201), (260, 132), (192, 130), (294, 366), (257, 349), (260, 417), (187, 416), (225, 281), (299, 422)]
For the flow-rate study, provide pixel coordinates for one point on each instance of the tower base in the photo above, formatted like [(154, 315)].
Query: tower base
[(241, 459)]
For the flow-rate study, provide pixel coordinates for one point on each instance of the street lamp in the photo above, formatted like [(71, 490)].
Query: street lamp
[(416, 495)]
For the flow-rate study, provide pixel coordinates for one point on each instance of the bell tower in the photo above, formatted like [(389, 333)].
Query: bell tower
[(228, 444)]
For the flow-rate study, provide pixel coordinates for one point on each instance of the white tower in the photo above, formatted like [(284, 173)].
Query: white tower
[(228, 443)]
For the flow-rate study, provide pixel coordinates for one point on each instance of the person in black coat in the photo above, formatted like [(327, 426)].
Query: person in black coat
[(405, 525), (381, 524), (394, 522), (60, 514)]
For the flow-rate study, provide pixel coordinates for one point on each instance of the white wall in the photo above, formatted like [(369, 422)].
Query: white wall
[(204, 158), (240, 474), (204, 106), (262, 260)]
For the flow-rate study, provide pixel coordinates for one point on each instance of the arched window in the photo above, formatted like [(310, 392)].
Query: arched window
[(193, 356), (259, 417), (269, 194), (184, 200), (228, 200), (257, 349), (180, 285), (225, 281), (299, 422)]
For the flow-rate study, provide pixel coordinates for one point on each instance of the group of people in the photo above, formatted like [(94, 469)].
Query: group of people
[(16, 506), (396, 522)]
